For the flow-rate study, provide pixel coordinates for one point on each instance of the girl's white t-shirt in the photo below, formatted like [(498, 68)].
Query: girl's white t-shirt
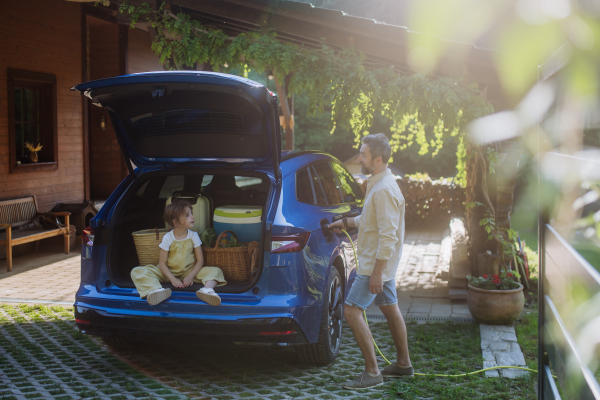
[(169, 238)]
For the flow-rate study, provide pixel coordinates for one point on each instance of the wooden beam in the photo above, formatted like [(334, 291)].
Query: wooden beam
[(124, 70), (288, 124), (85, 104)]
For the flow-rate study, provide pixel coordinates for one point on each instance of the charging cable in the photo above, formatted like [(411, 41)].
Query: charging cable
[(419, 374)]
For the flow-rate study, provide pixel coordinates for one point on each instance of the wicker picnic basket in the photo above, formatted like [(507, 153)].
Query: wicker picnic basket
[(235, 262), (146, 245)]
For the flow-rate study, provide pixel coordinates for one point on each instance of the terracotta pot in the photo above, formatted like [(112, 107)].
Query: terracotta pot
[(496, 307)]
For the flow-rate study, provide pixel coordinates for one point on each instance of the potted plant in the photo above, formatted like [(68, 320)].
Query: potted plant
[(495, 299), (33, 156)]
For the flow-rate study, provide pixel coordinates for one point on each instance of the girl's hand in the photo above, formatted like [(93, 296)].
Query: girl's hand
[(177, 283), (188, 280)]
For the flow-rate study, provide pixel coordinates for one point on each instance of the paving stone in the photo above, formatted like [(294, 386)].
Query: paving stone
[(441, 302), (500, 348), (511, 337), (438, 314), (419, 301), (418, 314), (48, 351), (442, 307), (420, 309)]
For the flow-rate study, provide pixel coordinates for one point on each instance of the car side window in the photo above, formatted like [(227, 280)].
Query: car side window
[(321, 201), (329, 183), (350, 189), (304, 190)]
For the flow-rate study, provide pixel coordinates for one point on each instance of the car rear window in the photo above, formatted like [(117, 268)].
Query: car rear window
[(194, 121)]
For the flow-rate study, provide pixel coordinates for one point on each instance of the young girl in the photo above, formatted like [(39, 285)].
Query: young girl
[(181, 262)]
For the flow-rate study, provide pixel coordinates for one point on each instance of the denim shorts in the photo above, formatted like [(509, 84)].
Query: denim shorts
[(360, 297)]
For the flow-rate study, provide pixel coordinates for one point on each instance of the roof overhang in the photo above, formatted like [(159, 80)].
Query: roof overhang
[(302, 23), (309, 26)]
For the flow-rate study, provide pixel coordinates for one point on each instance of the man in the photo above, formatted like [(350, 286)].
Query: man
[(380, 238)]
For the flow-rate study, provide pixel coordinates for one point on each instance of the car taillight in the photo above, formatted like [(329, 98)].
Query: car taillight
[(88, 237), (289, 242)]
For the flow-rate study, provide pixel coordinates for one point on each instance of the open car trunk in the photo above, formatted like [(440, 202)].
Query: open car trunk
[(143, 205)]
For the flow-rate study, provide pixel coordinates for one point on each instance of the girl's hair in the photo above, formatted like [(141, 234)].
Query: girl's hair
[(176, 210)]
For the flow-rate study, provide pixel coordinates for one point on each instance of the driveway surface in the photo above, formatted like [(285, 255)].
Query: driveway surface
[(43, 356)]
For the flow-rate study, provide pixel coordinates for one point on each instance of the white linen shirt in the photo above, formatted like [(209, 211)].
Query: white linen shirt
[(381, 225)]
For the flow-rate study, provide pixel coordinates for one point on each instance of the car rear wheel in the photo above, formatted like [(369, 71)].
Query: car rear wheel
[(327, 348)]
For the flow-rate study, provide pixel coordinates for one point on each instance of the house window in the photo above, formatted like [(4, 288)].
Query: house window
[(32, 119)]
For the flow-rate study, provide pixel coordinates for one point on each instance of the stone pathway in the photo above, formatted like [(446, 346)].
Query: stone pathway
[(499, 346), (44, 277), (422, 296)]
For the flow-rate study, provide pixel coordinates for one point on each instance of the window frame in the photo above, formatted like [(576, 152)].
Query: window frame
[(46, 83), (339, 184), (314, 175), (307, 169)]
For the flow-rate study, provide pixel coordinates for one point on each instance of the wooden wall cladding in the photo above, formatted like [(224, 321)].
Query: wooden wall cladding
[(44, 36)]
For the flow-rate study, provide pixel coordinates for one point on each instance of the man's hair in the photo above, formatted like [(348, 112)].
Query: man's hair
[(379, 145), (176, 210)]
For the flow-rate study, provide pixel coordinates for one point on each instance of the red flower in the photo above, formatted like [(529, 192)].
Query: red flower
[(485, 277), (497, 281), (509, 274), (495, 276)]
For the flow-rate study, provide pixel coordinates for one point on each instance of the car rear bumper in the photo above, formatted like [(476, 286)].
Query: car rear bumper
[(271, 329)]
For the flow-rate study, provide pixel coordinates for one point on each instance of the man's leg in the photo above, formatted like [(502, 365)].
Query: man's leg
[(363, 337), (398, 331)]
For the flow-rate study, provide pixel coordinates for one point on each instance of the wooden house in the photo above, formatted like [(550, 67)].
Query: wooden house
[(46, 47)]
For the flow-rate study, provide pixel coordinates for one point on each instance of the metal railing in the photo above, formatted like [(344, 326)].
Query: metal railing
[(569, 313)]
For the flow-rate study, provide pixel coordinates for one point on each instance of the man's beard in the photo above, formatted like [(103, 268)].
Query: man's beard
[(365, 170)]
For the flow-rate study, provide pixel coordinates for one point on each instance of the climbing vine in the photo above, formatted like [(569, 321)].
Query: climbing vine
[(424, 109)]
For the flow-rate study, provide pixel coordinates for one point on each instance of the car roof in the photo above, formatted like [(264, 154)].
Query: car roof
[(293, 160)]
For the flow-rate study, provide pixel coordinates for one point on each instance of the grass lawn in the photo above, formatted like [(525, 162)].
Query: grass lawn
[(527, 334), (453, 348)]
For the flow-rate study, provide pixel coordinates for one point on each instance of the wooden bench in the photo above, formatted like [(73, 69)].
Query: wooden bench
[(17, 218)]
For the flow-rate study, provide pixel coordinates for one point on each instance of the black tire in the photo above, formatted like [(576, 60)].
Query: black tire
[(118, 343), (327, 348)]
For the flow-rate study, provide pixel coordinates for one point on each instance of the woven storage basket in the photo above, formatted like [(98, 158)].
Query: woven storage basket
[(146, 245), (233, 261)]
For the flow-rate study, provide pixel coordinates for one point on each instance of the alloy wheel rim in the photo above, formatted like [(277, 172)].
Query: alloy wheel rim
[(334, 330)]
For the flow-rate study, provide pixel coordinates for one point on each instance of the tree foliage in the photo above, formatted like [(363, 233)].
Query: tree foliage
[(355, 88)]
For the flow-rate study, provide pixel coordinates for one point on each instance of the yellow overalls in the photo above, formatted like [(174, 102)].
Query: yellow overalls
[(181, 261)]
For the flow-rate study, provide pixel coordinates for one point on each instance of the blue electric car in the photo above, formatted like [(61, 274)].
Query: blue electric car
[(218, 136)]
